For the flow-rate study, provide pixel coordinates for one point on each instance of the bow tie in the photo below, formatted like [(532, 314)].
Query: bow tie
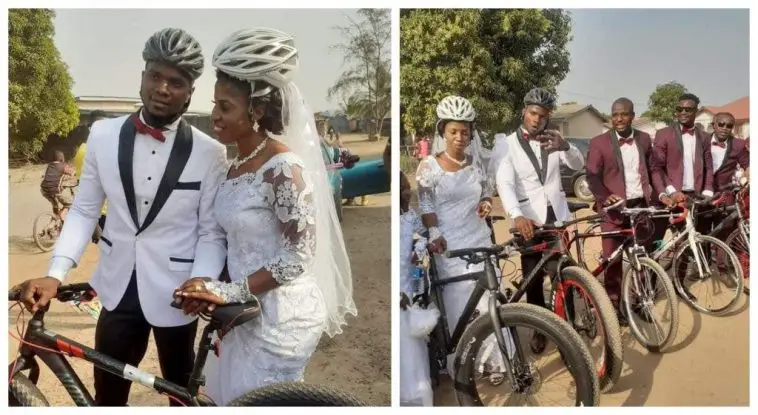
[(629, 141), (143, 128), (718, 144), (527, 138), (688, 130)]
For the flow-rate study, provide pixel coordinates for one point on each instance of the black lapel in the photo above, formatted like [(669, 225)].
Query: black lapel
[(678, 135), (528, 150), (617, 152), (125, 166), (177, 160)]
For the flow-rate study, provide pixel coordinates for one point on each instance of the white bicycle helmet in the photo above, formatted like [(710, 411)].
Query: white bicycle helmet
[(455, 108), (175, 47), (258, 54)]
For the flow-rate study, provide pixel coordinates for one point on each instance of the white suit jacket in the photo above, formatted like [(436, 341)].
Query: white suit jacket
[(524, 191), (178, 239)]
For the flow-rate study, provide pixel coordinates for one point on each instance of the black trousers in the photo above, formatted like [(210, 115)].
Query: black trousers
[(534, 293), (123, 334)]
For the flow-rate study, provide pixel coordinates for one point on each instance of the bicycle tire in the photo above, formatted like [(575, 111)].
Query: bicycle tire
[(575, 353), (743, 256), (36, 229), (296, 394), (23, 392), (661, 278), (701, 239), (610, 371)]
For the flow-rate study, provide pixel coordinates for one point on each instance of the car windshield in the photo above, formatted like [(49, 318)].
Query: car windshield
[(582, 144)]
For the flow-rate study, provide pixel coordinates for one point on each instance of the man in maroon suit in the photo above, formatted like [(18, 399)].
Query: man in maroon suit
[(682, 164), (618, 169), (728, 154)]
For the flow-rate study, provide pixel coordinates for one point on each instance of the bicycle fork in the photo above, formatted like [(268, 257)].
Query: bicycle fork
[(514, 366)]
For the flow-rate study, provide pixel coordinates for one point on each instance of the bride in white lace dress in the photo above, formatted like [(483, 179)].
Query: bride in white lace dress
[(284, 242), (454, 197)]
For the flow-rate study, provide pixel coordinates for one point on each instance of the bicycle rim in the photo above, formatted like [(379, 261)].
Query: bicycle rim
[(739, 243), (640, 291), (724, 276), (45, 231)]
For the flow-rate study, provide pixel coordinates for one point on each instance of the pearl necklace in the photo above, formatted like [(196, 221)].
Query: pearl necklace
[(236, 163), (459, 163)]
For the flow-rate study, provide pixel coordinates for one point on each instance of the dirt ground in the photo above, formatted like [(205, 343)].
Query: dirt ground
[(357, 361), (708, 364)]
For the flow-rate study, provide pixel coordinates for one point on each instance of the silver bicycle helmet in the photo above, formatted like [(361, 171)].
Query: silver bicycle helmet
[(258, 54), (175, 47), (455, 108), (540, 97)]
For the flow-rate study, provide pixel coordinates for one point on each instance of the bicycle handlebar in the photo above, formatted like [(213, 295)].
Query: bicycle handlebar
[(488, 250), (65, 292)]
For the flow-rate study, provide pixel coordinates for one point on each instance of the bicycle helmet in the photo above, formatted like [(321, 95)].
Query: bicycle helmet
[(178, 48), (455, 108), (258, 54), (540, 97)]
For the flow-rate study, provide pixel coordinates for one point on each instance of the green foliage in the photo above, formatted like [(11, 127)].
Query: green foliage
[(40, 102), (365, 86), (492, 57), (663, 102)]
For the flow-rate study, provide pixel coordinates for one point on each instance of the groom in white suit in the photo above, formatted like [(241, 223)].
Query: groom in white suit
[(526, 167), (160, 176)]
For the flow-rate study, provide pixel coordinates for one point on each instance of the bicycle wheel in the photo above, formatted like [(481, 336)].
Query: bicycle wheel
[(581, 388), (722, 273), (582, 301), (22, 392), (639, 290), (741, 247), (45, 231), (296, 394)]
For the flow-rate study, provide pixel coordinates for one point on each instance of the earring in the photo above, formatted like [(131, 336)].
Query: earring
[(255, 126)]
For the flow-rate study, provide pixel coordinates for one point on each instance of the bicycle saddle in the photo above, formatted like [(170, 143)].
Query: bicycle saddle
[(573, 207), (232, 315)]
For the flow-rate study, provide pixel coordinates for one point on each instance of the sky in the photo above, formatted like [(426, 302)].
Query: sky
[(103, 48), (627, 52)]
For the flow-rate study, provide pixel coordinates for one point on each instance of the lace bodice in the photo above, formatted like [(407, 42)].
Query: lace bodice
[(269, 219), (452, 196)]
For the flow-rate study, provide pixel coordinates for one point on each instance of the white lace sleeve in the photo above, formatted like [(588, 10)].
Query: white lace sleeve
[(426, 178), (291, 197)]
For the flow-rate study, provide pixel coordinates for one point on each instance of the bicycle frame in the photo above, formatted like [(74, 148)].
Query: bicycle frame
[(37, 335)]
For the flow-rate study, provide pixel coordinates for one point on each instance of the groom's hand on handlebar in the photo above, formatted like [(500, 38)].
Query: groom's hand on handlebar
[(38, 292), (679, 197), (525, 226)]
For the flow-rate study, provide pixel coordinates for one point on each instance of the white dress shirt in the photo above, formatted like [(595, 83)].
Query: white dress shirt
[(149, 162), (630, 156), (718, 153), (688, 144)]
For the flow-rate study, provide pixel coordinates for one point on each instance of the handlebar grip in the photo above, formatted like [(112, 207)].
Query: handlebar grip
[(456, 253), (14, 294), (176, 304)]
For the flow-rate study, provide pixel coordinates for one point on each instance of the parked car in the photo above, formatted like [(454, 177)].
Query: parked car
[(366, 177), (574, 182)]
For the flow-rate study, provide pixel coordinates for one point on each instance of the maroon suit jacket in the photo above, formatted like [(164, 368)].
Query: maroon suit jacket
[(667, 163), (737, 155), (605, 168)]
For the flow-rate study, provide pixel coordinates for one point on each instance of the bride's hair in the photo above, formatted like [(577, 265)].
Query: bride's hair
[(273, 117)]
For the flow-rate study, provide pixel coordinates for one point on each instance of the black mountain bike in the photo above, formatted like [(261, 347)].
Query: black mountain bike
[(512, 324), (39, 342)]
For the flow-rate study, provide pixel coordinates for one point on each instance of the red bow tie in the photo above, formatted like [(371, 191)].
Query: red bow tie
[(718, 144), (688, 130), (629, 141), (526, 137), (143, 128)]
